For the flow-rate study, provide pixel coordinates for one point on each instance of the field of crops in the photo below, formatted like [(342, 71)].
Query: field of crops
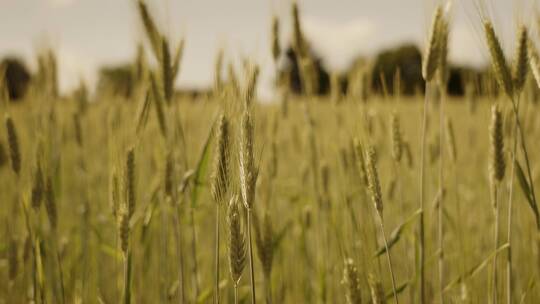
[(167, 198)]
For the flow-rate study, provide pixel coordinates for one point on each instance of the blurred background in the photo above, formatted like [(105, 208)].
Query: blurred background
[(89, 35)]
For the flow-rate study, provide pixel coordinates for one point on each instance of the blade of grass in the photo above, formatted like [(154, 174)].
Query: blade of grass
[(474, 270), (395, 236), (202, 167)]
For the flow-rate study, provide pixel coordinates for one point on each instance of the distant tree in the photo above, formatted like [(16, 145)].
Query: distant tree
[(16, 77), (116, 80), (291, 71), (407, 60)]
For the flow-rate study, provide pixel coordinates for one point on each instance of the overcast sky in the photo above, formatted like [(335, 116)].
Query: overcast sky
[(90, 33)]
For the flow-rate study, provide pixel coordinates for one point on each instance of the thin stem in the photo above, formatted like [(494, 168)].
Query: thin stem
[(59, 265), (441, 199), (525, 154), (509, 223), (39, 266), (529, 174), (460, 227), (398, 183), (252, 272), (181, 297), (194, 268), (389, 260), (127, 277), (163, 269), (117, 282), (422, 194), (527, 162), (216, 287), (268, 288), (496, 242), (33, 245), (235, 293)]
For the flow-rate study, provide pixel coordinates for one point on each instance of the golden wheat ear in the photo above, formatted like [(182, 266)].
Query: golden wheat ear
[(129, 182), (150, 28), (248, 174), (13, 144), (236, 240), (397, 140), (123, 228), (351, 281), (431, 54), (374, 185), (534, 62), (496, 138), (376, 289), (442, 64), (179, 53), (38, 185), (498, 61), (166, 71), (220, 178), (521, 60)]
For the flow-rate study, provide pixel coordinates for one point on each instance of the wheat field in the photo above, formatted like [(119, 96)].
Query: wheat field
[(340, 198)]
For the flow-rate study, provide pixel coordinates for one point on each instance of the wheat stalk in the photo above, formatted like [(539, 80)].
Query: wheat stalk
[(496, 170), (450, 140), (124, 231), (248, 180), (374, 187), (442, 37), (220, 183)]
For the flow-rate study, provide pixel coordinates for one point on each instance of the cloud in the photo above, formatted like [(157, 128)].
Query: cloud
[(337, 42)]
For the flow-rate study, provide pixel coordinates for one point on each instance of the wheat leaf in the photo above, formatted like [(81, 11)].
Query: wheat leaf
[(399, 289), (474, 270), (395, 236), (526, 188), (202, 166)]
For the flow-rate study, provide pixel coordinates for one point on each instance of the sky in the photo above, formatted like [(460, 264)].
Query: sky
[(87, 34)]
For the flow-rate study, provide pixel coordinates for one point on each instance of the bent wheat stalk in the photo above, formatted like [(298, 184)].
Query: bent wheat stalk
[(248, 179), (374, 187), (220, 181)]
